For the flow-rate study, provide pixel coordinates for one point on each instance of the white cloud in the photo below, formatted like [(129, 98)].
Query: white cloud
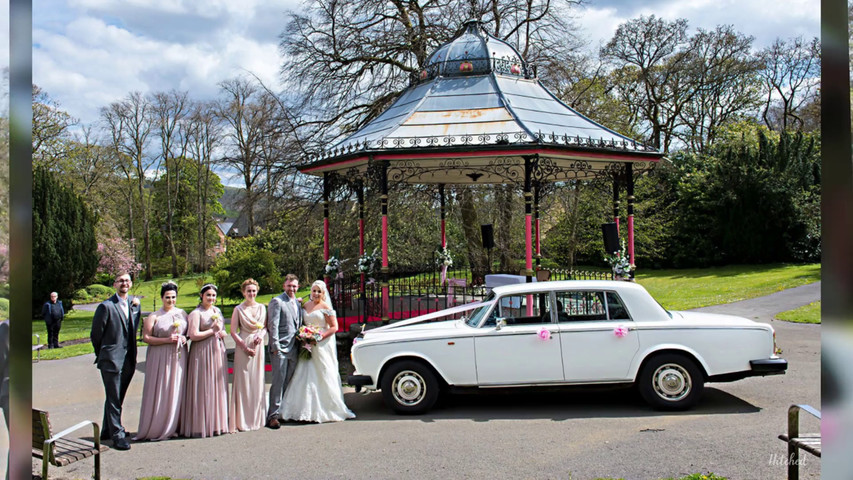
[(88, 53)]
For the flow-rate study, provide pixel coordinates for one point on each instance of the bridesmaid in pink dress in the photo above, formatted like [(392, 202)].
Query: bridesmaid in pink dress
[(248, 328), (205, 407), (165, 365)]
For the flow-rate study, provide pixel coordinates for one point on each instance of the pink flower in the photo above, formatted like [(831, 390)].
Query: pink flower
[(544, 334), (620, 331)]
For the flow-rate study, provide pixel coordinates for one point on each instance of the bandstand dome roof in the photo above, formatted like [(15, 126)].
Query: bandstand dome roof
[(476, 104)]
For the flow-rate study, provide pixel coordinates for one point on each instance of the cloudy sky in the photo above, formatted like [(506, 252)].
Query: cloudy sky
[(88, 53)]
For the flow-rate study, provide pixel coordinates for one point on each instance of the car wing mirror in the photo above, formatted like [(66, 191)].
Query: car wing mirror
[(500, 323)]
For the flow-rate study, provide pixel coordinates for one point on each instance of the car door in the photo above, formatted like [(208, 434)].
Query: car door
[(524, 351), (597, 336)]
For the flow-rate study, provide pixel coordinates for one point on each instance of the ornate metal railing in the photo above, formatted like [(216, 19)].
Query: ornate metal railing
[(413, 292)]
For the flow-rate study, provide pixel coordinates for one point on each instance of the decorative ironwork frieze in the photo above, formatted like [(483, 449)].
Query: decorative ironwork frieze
[(483, 139)]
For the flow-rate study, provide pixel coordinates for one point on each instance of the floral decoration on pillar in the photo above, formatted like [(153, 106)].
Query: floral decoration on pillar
[(443, 260), (368, 263), (621, 264)]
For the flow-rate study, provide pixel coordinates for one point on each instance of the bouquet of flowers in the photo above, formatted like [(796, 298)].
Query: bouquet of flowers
[(309, 335), (181, 340), (367, 262), (620, 263), (333, 266), (443, 258)]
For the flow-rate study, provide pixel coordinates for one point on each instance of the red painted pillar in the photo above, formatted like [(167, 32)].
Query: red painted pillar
[(326, 188), (629, 183), (528, 219), (384, 204)]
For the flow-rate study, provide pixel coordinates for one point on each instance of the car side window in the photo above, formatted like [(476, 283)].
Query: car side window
[(615, 308), (524, 309), (580, 306)]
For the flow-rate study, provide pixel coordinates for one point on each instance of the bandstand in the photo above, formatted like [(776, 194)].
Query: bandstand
[(477, 114)]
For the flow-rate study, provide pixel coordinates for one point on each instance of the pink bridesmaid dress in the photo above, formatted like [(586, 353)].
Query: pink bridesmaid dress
[(165, 367), (204, 412), (248, 402)]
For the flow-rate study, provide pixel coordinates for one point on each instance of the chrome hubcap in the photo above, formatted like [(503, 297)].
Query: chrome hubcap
[(409, 387), (672, 382)]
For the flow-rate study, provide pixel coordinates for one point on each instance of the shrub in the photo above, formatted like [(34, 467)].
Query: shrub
[(243, 260), (81, 296), (4, 309)]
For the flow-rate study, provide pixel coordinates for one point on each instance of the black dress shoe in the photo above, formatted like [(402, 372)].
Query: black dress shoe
[(273, 424), (121, 444), (56, 345)]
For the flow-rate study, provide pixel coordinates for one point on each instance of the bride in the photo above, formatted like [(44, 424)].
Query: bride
[(314, 394)]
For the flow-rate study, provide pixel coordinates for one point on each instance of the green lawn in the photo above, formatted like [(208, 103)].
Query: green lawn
[(78, 323), (806, 314), (674, 289), (694, 288)]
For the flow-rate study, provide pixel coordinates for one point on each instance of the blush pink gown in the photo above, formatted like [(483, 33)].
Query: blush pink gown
[(204, 412), (163, 391), (248, 402)]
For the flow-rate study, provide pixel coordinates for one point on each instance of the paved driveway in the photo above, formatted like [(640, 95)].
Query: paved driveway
[(566, 434)]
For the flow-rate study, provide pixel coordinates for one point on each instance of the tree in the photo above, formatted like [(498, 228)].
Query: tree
[(50, 129), (169, 110), (65, 252), (203, 134), (129, 124), (255, 120), (726, 86), (653, 55), (791, 77)]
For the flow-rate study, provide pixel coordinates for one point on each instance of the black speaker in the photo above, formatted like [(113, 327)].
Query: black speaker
[(488, 236), (611, 237)]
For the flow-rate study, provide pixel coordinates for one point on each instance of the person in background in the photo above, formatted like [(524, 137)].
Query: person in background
[(53, 313)]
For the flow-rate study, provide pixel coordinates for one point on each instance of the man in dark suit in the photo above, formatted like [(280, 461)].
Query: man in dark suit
[(53, 313), (113, 335)]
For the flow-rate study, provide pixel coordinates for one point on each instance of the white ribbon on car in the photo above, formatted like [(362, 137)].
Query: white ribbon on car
[(431, 316)]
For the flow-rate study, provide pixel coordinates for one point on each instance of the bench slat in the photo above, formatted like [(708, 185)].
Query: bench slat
[(810, 442)]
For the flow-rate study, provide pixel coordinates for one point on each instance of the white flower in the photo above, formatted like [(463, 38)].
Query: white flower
[(135, 301)]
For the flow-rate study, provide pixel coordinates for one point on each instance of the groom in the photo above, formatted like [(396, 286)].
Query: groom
[(113, 336), (284, 316)]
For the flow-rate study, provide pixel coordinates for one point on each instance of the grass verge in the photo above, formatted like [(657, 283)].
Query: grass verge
[(694, 288), (806, 314)]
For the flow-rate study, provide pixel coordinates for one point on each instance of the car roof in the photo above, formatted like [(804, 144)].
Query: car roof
[(565, 285)]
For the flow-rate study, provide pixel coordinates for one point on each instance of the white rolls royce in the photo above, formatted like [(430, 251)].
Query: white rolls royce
[(562, 333)]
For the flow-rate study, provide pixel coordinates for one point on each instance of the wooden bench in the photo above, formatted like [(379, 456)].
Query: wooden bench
[(38, 346), (796, 441), (62, 451)]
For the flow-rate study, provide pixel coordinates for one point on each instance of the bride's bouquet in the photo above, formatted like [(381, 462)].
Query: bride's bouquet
[(309, 335)]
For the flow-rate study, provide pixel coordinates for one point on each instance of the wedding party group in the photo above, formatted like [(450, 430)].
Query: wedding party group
[(186, 369)]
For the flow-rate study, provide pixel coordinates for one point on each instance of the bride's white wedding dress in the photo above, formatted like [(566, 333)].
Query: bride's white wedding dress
[(314, 393)]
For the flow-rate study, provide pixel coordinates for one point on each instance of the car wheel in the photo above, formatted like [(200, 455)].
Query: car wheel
[(671, 382), (409, 387)]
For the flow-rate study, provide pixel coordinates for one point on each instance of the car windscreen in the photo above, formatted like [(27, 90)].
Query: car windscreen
[(476, 315)]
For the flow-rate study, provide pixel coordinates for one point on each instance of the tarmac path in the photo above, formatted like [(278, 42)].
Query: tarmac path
[(566, 434)]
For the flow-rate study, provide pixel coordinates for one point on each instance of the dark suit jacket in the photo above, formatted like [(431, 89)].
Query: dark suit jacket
[(113, 337), (45, 310)]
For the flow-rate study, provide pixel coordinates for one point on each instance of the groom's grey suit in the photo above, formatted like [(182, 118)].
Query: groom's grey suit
[(284, 316)]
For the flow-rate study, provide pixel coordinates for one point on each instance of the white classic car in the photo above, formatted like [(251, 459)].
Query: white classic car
[(562, 333)]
